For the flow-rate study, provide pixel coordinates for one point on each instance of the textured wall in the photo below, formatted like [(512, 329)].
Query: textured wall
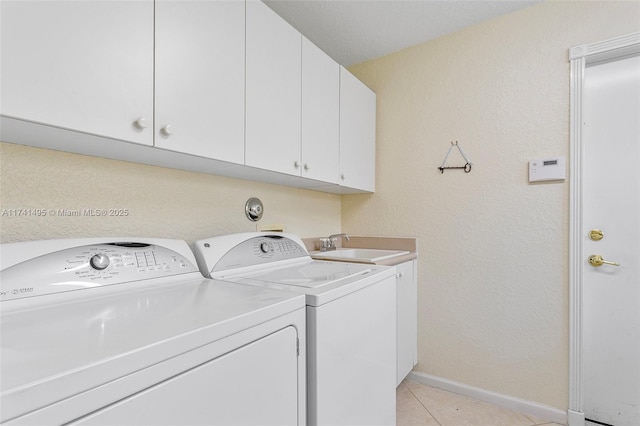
[(161, 202), (493, 265)]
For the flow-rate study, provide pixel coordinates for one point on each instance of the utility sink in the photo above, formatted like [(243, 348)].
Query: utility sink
[(357, 255)]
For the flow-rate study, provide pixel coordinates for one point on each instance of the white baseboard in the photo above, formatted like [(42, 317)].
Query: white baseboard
[(506, 401)]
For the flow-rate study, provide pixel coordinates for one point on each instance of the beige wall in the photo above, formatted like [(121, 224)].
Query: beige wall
[(493, 266), (162, 203)]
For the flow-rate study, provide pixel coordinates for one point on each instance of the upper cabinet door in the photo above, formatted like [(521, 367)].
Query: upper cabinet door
[(320, 114), (357, 133), (82, 65), (200, 78), (273, 91)]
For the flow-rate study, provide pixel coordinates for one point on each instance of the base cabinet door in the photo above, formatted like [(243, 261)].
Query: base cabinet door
[(357, 133), (199, 78), (407, 312), (80, 65)]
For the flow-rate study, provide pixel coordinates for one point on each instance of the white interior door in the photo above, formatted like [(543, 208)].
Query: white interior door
[(611, 203)]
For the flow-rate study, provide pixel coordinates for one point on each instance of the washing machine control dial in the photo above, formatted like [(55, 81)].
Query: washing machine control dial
[(264, 247), (99, 261)]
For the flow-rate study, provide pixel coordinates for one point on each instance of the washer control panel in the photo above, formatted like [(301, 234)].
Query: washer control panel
[(90, 266), (272, 247), (259, 250)]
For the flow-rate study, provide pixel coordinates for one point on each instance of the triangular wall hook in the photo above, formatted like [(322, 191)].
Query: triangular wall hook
[(466, 167)]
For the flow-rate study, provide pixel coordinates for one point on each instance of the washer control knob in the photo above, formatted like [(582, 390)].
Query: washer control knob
[(99, 261), (264, 247)]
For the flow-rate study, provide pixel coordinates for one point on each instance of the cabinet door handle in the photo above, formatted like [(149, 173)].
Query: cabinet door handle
[(296, 164), (399, 275), (306, 167), (141, 123), (167, 130)]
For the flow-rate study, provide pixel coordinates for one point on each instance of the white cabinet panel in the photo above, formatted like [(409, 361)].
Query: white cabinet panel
[(357, 133), (407, 289), (320, 114), (273, 91), (81, 65), (200, 78), (352, 359)]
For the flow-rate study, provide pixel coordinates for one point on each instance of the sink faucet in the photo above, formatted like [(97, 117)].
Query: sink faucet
[(329, 243)]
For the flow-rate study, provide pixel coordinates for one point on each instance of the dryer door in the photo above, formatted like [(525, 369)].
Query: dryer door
[(255, 384)]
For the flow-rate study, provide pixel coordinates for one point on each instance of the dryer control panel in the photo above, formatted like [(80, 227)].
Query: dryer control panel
[(90, 266)]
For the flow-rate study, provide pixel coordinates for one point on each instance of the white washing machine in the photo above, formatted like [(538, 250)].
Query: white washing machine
[(351, 321), (113, 332)]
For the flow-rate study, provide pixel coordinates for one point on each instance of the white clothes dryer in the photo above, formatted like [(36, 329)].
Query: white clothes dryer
[(113, 332), (351, 321)]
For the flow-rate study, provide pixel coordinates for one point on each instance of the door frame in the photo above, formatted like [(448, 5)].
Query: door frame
[(580, 57)]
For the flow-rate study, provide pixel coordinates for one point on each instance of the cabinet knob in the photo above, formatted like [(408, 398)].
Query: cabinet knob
[(141, 123), (399, 275), (306, 167), (167, 130), (342, 176), (296, 164)]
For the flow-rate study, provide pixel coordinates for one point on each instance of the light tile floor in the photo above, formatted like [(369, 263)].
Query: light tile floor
[(421, 405)]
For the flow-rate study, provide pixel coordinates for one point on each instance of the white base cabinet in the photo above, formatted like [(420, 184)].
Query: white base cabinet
[(407, 312)]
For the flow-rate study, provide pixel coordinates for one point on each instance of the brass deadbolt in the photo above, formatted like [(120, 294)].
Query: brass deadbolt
[(596, 234)]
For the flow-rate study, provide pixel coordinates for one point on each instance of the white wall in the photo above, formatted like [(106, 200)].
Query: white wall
[(493, 265), (161, 202)]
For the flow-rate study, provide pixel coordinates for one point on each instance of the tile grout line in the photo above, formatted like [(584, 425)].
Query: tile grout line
[(423, 406)]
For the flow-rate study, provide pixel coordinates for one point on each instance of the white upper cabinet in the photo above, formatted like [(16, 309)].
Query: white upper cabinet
[(273, 91), (357, 133), (320, 115), (217, 86), (199, 78), (80, 65)]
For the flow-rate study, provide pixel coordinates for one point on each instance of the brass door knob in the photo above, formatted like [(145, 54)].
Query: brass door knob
[(597, 260)]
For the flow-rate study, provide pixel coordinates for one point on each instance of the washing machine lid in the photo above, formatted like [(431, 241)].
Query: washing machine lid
[(310, 274), (280, 261), (321, 281)]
